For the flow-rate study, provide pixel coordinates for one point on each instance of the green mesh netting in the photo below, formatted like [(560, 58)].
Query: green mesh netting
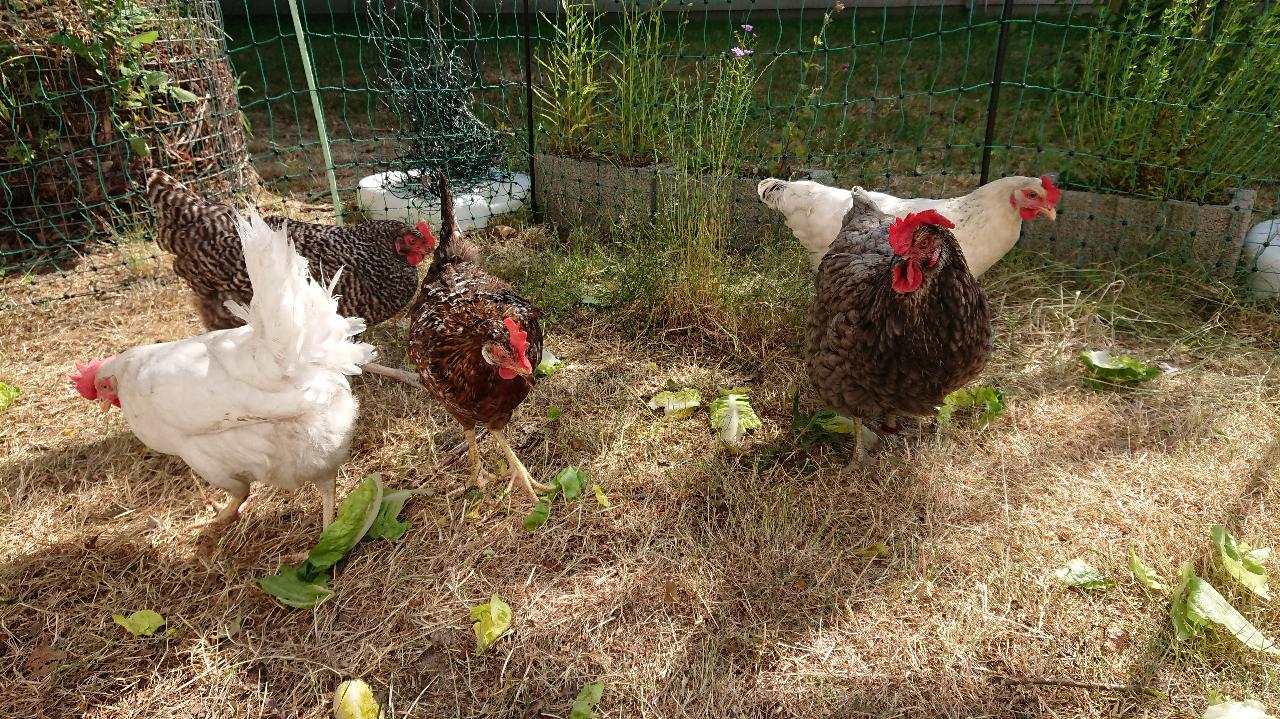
[(1158, 117)]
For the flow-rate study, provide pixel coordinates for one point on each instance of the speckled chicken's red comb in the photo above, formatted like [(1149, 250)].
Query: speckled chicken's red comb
[(1051, 191), (425, 230), (519, 341), (903, 228)]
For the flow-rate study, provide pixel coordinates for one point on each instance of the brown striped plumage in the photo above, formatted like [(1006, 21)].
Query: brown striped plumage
[(377, 280), (460, 342), (877, 351)]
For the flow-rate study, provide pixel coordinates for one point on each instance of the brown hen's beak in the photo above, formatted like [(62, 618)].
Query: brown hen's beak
[(1050, 212)]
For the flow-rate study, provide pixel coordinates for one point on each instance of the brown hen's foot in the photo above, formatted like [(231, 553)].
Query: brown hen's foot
[(861, 458), (519, 475)]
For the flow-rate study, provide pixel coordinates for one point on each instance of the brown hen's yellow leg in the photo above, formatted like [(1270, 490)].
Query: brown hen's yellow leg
[(479, 477), (519, 475), (861, 458)]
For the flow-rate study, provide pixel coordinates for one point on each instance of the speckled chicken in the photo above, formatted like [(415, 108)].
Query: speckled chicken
[(899, 321), (475, 343), (378, 259)]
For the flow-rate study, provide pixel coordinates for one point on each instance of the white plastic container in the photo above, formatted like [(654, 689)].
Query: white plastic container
[(382, 197), (1262, 258)]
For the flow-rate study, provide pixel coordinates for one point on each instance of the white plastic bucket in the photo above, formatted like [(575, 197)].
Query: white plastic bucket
[(384, 197)]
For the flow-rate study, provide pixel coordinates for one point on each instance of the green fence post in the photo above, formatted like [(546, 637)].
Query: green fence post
[(315, 106)]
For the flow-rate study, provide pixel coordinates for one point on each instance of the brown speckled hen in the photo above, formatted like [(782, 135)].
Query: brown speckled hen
[(475, 343), (378, 259), (899, 321)]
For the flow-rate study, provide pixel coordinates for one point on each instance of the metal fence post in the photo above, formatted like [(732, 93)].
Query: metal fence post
[(993, 102), (527, 20)]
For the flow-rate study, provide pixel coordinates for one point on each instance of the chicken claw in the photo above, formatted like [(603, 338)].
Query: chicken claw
[(519, 474)]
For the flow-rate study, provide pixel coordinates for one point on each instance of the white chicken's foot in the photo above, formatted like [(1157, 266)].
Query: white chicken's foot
[(519, 474), (229, 514), (403, 375)]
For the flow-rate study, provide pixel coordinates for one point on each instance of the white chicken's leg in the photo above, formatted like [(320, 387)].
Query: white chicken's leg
[(403, 375), (519, 474), (479, 477), (328, 494), (861, 458), (237, 493)]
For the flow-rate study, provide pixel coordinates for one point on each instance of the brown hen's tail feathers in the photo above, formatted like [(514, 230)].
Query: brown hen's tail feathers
[(454, 246)]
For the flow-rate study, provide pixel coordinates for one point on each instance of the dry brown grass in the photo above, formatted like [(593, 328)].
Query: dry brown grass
[(716, 586)]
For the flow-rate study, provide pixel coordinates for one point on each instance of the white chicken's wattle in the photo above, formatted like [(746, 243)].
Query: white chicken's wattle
[(265, 402), (988, 220)]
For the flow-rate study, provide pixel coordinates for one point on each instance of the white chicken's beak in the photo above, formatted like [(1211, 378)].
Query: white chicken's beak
[(1050, 212), (105, 404)]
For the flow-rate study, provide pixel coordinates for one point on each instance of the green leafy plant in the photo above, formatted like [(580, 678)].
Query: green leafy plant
[(676, 404), (1223, 708), (366, 513), (1081, 574), (732, 416), (1179, 105), (704, 137), (584, 705), (1144, 575), (639, 85), (1197, 604), (8, 395), (570, 104), (491, 621), (1103, 369), (548, 364), (570, 482), (792, 140), (989, 402), (144, 623), (354, 700), (1242, 562)]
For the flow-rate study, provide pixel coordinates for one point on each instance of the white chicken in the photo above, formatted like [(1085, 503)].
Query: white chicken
[(988, 220), (265, 402)]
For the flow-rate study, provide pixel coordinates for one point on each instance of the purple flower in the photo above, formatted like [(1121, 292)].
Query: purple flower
[(739, 52), (748, 28)]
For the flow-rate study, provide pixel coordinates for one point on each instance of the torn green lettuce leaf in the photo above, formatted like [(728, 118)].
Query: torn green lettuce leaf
[(732, 416), (491, 621), (1103, 369), (676, 404)]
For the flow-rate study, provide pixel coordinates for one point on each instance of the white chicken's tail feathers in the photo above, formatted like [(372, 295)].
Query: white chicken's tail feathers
[(295, 317)]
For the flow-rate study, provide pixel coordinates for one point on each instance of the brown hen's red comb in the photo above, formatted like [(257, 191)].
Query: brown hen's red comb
[(519, 340), (425, 230), (902, 228), (1051, 191)]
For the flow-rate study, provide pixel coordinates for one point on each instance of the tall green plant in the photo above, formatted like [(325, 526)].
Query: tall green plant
[(570, 103), (1179, 105), (704, 135), (639, 84)]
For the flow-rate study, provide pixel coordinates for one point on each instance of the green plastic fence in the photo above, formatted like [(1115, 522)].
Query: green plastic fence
[(1159, 118)]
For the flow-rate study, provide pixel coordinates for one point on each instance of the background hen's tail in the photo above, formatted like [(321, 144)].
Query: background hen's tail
[(293, 317)]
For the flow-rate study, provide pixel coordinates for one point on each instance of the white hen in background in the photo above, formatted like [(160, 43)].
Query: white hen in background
[(265, 402), (988, 220)]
